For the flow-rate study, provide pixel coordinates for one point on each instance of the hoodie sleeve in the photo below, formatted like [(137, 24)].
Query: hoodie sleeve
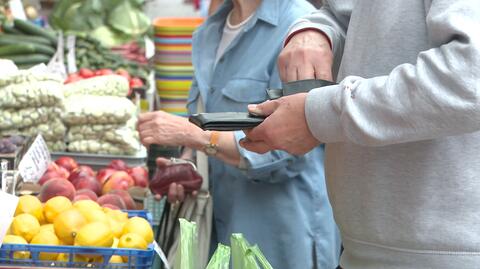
[(437, 96)]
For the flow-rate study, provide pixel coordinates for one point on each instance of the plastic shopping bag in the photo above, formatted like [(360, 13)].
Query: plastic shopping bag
[(186, 257), (220, 259), (245, 256)]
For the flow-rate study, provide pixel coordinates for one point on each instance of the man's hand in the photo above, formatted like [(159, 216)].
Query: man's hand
[(285, 128), (165, 129), (307, 55)]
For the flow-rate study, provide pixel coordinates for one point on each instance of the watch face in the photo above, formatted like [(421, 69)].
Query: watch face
[(210, 150)]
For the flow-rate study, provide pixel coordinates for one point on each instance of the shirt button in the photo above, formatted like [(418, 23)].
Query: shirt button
[(211, 90), (221, 60)]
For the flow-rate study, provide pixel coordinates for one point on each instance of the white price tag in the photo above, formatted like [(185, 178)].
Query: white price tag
[(9, 204), (71, 62), (35, 161), (160, 254)]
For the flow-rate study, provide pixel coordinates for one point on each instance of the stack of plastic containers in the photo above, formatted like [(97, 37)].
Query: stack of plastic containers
[(173, 62)]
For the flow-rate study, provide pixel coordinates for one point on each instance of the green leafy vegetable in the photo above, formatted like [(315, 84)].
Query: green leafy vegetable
[(128, 20)]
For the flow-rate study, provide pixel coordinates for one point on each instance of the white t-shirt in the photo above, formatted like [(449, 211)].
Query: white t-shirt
[(229, 33)]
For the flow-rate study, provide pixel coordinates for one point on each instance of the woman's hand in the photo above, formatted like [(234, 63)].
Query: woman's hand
[(176, 192), (165, 129)]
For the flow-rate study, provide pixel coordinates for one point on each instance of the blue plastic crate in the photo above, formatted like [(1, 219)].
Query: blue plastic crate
[(97, 257)]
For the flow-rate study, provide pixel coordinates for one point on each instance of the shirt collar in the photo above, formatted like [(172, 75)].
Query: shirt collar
[(268, 11)]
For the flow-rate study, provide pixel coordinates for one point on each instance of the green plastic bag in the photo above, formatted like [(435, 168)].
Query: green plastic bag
[(245, 256), (220, 259), (186, 256)]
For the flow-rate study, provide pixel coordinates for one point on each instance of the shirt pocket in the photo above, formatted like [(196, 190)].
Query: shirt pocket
[(241, 92)]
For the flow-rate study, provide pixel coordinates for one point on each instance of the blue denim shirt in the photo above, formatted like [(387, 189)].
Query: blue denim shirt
[(279, 201)]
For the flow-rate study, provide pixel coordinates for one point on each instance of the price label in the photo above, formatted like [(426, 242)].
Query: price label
[(35, 161), (9, 204)]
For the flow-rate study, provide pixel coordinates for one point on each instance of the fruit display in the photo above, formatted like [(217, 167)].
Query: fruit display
[(84, 223), (32, 103), (66, 180)]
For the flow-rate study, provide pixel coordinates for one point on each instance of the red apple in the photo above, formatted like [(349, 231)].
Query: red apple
[(126, 197), (119, 180), (52, 167), (139, 175), (113, 200), (114, 207), (49, 175), (86, 192), (89, 183), (68, 163), (81, 172), (104, 174), (118, 165), (81, 197), (86, 169), (57, 187)]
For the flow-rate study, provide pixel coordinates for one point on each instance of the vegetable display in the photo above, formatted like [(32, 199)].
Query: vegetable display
[(112, 22), (26, 43), (32, 103), (91, 109), (109, 85)]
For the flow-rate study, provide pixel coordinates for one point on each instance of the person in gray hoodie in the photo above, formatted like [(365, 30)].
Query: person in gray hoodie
[(402, 127)]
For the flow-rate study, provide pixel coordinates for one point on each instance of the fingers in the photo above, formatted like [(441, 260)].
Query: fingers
[(180, 193), (172, 193), (263, 109), (147, 141), (148, 116), (324, 73), (258, 147), (162, 162)]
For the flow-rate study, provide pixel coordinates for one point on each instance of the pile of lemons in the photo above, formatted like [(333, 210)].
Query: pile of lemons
[(83, 223)]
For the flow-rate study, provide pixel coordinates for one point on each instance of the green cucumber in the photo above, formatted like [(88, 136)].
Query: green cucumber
[(26, 38), (30, 28), (9, 29), (28, 58), (23, 47)]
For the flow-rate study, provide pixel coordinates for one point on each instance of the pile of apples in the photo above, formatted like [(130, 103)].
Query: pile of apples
[(108, 187)]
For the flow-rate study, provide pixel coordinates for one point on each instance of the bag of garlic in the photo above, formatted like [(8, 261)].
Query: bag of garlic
[(27, 117), (109, 85), (91, 109), (103, 147), (31, 94), (53, 130), (116, 134)]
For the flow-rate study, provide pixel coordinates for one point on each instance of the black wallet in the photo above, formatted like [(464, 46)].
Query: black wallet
[(233, 121), (226, 121)]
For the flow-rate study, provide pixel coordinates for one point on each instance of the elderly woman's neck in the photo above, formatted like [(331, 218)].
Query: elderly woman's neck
[(242, 9)]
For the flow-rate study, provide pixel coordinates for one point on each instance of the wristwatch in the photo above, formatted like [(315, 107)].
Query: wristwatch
[(212, 148)]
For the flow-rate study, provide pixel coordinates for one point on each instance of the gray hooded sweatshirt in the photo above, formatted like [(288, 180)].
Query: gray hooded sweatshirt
[(402, 131)]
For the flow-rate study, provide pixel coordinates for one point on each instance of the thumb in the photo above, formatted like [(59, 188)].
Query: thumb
[(263, 109)]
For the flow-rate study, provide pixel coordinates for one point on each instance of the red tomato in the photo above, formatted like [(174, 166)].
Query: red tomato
[(86, 73), (136, 83), (103, 72), (123, 73), (72, 78)]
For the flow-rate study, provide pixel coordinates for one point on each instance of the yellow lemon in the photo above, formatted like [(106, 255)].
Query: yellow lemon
[(96, 215), (15, 239), (30, 204), (67, 224), (85, 206), (47, 227), (55, 206), (64, 257), (116, 259), (115, 242), (95, 234), (26, 226), (117, 215), (116, 227), (139, 226), (132, 240), (46, 238)]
